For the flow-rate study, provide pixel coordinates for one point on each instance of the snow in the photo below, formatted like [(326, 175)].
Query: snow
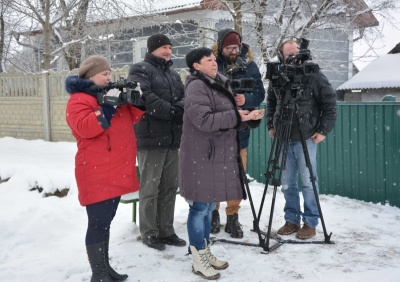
[(381, 73), (42, 238), (161, 6)]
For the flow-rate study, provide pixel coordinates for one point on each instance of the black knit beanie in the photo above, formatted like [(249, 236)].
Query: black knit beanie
[(156, 41)]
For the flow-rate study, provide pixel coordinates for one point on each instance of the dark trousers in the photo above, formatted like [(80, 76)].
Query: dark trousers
[(100, 216), (158, 186)]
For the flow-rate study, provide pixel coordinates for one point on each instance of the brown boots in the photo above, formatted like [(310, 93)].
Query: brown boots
[(306, 232), (288, 229)]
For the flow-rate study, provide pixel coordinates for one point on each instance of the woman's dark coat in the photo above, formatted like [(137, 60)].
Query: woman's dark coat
[(209, 161)]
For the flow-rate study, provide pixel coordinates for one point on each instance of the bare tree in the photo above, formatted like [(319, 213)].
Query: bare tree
[(4, 16), (61, 28), (296, 18)]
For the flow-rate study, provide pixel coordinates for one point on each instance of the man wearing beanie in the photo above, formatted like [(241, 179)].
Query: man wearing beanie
[(158, 140), (233, 54)]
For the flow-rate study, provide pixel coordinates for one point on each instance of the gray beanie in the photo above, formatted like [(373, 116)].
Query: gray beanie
[(93, 65)]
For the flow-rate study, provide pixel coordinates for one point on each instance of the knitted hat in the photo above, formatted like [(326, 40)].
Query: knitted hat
[(92, 66), (156, 41), (195, 55), (232, 38)]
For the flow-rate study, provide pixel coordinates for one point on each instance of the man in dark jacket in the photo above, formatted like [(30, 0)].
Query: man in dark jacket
[(315, 115), (235, 60), (158, 140)]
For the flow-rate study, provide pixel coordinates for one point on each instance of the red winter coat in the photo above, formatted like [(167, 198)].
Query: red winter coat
[(105, 164)]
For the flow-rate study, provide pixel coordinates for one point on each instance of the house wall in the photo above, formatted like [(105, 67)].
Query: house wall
[(329, 48)]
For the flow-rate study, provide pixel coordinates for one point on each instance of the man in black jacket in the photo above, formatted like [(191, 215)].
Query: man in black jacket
[(158, 139), (316, 116)]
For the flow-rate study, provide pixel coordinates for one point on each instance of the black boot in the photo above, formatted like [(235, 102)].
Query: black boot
[(96, 254), (215, 222), (113, 274), (233, 226)]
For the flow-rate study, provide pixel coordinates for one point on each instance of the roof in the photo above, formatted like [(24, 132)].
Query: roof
[(169, 6), (381, 73), (363, 16), (395, 50)]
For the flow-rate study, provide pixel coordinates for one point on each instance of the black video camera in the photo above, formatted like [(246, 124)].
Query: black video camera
[(239, 85), (128, 96), (293, 68)]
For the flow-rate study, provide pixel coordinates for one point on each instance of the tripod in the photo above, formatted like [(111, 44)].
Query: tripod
[(276, 165)]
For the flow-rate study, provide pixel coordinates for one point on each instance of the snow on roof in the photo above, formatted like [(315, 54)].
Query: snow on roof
[(161, 6), (381, 73), (168, 6)]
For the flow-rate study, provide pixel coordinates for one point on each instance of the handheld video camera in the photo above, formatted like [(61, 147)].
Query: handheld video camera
[(293, 68), (128, 96), (239, 85)]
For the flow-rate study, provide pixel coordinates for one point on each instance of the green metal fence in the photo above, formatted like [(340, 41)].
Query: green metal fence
[(359, 159)]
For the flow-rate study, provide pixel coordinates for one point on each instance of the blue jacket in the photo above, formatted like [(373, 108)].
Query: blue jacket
[(254, 98)]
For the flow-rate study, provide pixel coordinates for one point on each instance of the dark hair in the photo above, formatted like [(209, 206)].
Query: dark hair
[(196, 55)]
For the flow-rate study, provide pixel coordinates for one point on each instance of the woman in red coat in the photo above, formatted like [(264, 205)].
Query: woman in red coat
[(105, 163)]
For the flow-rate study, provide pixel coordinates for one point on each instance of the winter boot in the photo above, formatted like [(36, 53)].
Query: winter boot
[(233, 226), (201, 265), (215, 222), (216, 263), (96, 254), (113, 274)]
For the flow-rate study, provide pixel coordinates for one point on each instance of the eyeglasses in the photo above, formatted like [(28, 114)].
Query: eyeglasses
[(234, 48)]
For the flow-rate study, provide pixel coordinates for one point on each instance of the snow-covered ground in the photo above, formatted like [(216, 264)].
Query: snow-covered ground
[(42, 238)]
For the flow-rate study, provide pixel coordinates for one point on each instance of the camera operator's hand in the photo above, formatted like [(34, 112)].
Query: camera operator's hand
[(271, 132), (318, 137), (113, 93), (240, 99)]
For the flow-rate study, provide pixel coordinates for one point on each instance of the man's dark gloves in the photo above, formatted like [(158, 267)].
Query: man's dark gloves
[(177, 114)]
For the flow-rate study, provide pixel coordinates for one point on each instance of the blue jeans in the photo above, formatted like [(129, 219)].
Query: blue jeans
[(295, 165), (199, 223)]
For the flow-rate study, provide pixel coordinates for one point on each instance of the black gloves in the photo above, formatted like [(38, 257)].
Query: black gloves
[(177, 114)]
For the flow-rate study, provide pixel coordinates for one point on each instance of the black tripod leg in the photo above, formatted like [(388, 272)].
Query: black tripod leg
[(246, 182), (271, 165), (279, 164)]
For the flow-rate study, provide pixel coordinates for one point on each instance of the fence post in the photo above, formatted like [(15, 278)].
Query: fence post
[(46, 106)]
